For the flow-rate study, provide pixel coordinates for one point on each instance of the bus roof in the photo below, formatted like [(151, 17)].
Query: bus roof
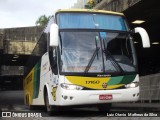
[(89, 11)]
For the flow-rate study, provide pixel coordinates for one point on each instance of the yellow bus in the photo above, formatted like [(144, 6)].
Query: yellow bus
[(84, 57)]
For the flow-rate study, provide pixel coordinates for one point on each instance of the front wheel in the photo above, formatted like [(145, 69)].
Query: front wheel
[(104, 107), (49, 108)]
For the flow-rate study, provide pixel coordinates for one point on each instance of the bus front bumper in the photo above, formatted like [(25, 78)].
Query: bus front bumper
[(83, 97)]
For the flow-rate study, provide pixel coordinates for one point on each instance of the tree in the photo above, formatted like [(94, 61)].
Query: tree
[(42, 20), (90, 4)]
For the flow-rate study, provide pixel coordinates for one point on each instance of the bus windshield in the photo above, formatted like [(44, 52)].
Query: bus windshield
[(90, 21), (108, 52), (95, 43)]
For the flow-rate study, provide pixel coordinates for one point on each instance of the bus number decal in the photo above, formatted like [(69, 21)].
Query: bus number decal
[(93, 82)]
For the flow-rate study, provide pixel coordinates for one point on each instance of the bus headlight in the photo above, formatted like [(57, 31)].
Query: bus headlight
[(71, 87), (132, 85)]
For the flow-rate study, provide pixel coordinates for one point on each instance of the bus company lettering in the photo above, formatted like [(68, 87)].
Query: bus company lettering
[(44, 67), (103, 75), (93, 82)]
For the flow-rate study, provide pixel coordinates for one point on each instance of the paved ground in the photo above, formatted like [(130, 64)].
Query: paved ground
[(13, 101), (11, 98)]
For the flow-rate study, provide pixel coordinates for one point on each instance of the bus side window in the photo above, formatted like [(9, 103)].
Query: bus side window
[(53, 60)]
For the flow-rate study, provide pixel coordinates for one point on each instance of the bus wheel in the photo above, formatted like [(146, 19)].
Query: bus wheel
[(49, 108), (31, 107), (104, 107)]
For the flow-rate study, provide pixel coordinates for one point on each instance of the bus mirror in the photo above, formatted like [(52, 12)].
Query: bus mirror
[(54, 35), (144, 36)]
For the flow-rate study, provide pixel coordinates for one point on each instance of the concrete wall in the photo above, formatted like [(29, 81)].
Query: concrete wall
[(23, 34), (19, 47), (21, 40), (1, 39), (115, 5)]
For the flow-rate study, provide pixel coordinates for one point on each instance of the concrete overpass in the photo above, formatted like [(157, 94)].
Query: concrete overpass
[(16, 45)]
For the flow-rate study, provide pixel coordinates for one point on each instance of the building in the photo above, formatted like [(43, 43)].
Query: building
[(80, 4)]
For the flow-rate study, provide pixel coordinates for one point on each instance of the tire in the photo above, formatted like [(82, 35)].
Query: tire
[(104, 107), (27, 102), (30, 107), (49, 108)]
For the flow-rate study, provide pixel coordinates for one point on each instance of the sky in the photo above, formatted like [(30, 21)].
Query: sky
[(24, 13)]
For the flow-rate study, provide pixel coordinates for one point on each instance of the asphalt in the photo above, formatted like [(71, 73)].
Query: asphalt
[(9, 99)]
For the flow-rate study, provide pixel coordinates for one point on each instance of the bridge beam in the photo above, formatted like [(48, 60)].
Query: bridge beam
[(19, 47), (116, 5)]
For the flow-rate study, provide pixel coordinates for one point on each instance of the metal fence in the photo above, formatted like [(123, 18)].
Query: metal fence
[(150, 88)]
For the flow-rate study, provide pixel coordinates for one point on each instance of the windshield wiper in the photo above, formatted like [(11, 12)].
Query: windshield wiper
[(112, 60), (92, 59)]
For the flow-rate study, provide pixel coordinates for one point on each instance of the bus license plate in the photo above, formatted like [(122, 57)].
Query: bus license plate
[(105, 97)]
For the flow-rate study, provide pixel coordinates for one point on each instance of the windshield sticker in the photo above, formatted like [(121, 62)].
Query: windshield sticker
[(103, 35)]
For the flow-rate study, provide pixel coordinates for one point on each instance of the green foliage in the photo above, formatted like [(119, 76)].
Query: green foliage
[(90, 4), (42, 20)]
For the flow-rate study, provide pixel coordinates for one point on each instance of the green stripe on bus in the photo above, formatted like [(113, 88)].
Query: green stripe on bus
[(36, 79), (128, 79), (121, 80), (115, 80)]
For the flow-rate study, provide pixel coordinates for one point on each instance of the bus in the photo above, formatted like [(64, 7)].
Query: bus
[(84, 57)]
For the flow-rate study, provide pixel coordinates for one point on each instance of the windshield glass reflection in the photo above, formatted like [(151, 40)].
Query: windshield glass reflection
[(97, 52)]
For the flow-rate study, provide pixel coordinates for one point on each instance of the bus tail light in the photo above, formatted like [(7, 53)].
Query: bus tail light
[(71, 87)]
